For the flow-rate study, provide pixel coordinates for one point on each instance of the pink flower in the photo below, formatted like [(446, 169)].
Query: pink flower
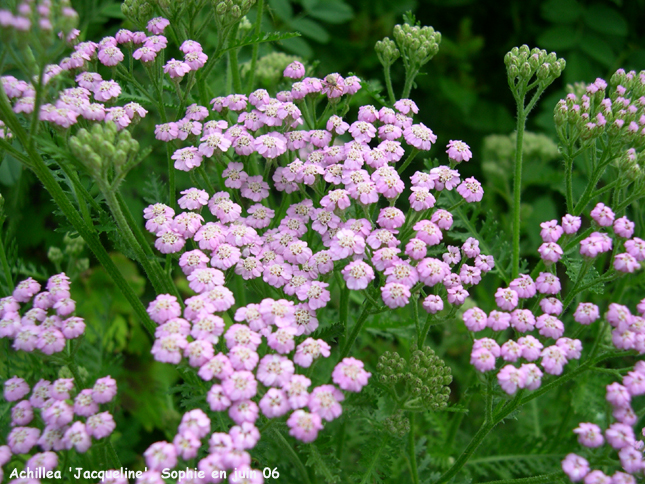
[(551, 305), (325, 401), (175, 68), (511, 378), (620, 436), (586, 313), (350, 375), (271, 145), (623, 227), (458, 151), (304, 426), (553, 360), (419, 136), (275, 370), (104, 390), (625, 263), (636, 248), (395, 295), (100, 425), (571, 224), (240, 385), (106, 90), (15, 389), (110, 56), (22, 439), (575, 467), (475, 319), (161, 455), (309, 350), (405, 106), (214, 142), (550, 252), (498, 320), (551, 231), (506, 299), (77, 437), (589, 435), (156, 26), (618, 395), (25, 290), (603, 215), (168, 349), (482, 359), (549, 326), (547, 283)]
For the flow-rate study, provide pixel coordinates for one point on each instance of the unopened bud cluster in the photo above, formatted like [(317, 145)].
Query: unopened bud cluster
[(614, 112), (523, 63), (425, 375), (103, 149), (397, 424), (229, 12), (137, 10)]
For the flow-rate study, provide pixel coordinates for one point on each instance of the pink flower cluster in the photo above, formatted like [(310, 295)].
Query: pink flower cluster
[(628, 332), (57, 409), (619, 113), (41, 18), (619, 435), (597, 242), (48, 324), (285, 392), (280, 323)]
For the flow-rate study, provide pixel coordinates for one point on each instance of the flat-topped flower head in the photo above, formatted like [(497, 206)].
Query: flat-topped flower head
[(458, 151), (419, 136)]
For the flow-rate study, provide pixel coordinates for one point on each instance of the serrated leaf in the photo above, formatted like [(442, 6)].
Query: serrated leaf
[(310, 29), (558, 37), (325, 466), (598, 49), (154, 189), (605, 20), (561, 11), (573, 269)]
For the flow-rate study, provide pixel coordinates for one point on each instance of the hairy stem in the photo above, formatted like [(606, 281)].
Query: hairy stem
[(413, 454), (517, 186), (388, 83), (289, 450), (257, 27)]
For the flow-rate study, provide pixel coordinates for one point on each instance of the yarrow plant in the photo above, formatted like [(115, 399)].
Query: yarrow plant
[(327, 297)]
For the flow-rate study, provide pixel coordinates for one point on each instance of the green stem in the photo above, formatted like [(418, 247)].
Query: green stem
[(408, 160), (344, 300), (349, 342), (388, 83), (45, 176), (156, 276), (410, 75), (517, 186), (233, 63), (254, 54), (569, 182), (293, 455), (5, 264), (413, 454), (541, 479)]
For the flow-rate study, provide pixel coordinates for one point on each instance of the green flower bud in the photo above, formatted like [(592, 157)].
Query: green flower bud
[(513, 72), (543, 71), (55, 255), (526, 71), (82, 264), (73, 245)]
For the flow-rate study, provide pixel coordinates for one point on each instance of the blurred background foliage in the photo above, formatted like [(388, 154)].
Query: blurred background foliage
[(462, 94)]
